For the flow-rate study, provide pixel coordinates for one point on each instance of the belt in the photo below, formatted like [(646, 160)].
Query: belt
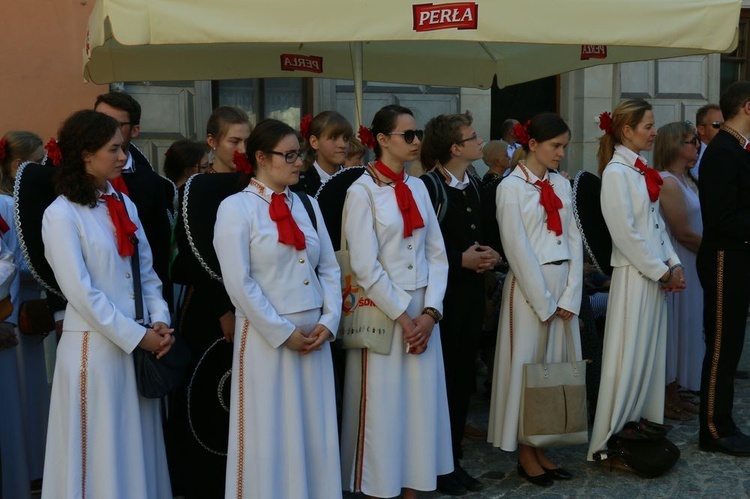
[(556, 262)]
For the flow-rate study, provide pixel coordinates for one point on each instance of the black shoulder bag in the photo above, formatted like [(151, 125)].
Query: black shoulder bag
[(154, 377)]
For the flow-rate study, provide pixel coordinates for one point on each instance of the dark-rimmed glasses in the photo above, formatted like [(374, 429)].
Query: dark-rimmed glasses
[(473, 137), (409, 135), (290, 156), (695, 141), (123, 124)]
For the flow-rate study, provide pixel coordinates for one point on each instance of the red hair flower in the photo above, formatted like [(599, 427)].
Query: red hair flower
[(3, 144), (242, 163), (304, 126), (521, 132), (366, 137), (53, 152), (605, 122)]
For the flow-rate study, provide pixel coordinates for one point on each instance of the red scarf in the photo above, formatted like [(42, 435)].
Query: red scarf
[(4, 227), (552, 205), (124, 227), (120, 185), (289, 232), (407, 205), (653, 179)]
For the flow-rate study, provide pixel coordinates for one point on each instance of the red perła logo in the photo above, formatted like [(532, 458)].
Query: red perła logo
[(298, 62), (455, 15), (593, 52)]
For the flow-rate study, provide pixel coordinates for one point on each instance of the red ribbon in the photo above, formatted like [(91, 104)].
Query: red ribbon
[(552, 206), (289, 232), (124, 227), (653, 179), (119, 185), (407, 205)]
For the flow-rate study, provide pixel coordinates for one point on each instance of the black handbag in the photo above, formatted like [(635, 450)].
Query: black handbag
[(643, 447), (154, 377)]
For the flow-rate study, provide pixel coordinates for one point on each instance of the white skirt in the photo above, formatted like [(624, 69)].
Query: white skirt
[(634, 356), (396, 428), (518, 344), (104, 439), (283, 438)]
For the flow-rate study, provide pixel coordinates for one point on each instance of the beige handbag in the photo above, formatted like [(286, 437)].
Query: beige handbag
[(553, 399), (363, 324)]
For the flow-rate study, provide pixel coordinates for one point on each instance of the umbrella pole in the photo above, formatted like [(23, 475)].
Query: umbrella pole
[(357, 67)]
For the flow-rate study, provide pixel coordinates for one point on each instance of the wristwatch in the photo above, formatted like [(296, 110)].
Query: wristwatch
[(433, 312)]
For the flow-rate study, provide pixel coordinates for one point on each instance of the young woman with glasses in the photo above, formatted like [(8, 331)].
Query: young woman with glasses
[(675, 153), (281, 274), (396, 432)]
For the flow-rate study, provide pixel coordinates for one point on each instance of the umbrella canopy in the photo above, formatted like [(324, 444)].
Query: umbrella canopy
[(457, 44)]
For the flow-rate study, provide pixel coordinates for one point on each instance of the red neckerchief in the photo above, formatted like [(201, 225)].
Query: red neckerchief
[(407, 205), (3, 225), (289, 232), (120, 185), (653, 179), (552, 205), (124, 227)]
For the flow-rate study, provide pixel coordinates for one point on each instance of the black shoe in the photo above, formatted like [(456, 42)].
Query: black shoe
[(558, 473), (542, 480), (450, 486), (736, 444), (468, 481)]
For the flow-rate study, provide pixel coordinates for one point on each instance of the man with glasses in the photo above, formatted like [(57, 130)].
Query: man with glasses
[(708, 120), (724, 270), (152, 194)]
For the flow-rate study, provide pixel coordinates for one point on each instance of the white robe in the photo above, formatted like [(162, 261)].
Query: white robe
[(634, 355), (533, 290), (283, 439), (104, 439), (395, 428)]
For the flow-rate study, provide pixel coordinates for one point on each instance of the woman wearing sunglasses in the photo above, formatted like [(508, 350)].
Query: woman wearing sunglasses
[(675, 152), (396, 432), (282, 277)]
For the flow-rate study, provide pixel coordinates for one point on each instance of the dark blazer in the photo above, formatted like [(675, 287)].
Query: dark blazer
[(309, 181), (150, 193), (724, 191)]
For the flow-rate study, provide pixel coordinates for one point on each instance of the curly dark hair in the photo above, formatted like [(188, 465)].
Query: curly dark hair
[(83, 131), (440, 133)]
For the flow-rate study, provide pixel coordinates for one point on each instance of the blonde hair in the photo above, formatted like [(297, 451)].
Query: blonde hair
[(629, 112), (669, 141), (19, 145)]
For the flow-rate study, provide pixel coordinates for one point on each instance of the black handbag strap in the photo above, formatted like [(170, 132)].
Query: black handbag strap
[(135, 264)]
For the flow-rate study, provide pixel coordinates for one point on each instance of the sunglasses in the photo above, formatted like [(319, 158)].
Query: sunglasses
[(695, 141), (715, 125), (473, 137), (291, 156), (409, 135)]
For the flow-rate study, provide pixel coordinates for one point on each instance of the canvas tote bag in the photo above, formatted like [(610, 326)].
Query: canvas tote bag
[(553, 399), (363, 324)]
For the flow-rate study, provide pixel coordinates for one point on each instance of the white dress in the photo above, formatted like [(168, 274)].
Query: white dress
[(104, 439), (395, 428), (283, 439), (32, 365), (533, 290), (686, 346), (634, 354)]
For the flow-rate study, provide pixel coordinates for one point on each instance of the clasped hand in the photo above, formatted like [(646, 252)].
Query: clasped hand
[(416, 332), (158, 339), (676, 282), (307, 343), (479, 258)]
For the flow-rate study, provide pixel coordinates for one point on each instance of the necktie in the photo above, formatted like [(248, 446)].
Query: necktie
[(404, 197), (289, 232), (120, 185)]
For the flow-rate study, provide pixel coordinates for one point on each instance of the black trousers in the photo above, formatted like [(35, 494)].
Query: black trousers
[(460, 332), (726, 295)]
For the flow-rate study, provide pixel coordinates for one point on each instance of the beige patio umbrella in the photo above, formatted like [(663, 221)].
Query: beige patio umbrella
[(399, 41)]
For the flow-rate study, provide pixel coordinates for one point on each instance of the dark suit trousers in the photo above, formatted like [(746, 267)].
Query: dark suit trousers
[(725, 277)]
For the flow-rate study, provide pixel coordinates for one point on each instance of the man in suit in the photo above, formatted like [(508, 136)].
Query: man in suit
[(152, 194), (708, 121), (724, 269)]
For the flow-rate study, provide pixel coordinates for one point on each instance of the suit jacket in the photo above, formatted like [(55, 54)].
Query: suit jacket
[(724, 191), (150, 192), (309, 181)]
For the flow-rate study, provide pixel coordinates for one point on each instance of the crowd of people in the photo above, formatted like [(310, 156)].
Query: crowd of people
[(461, 268)]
